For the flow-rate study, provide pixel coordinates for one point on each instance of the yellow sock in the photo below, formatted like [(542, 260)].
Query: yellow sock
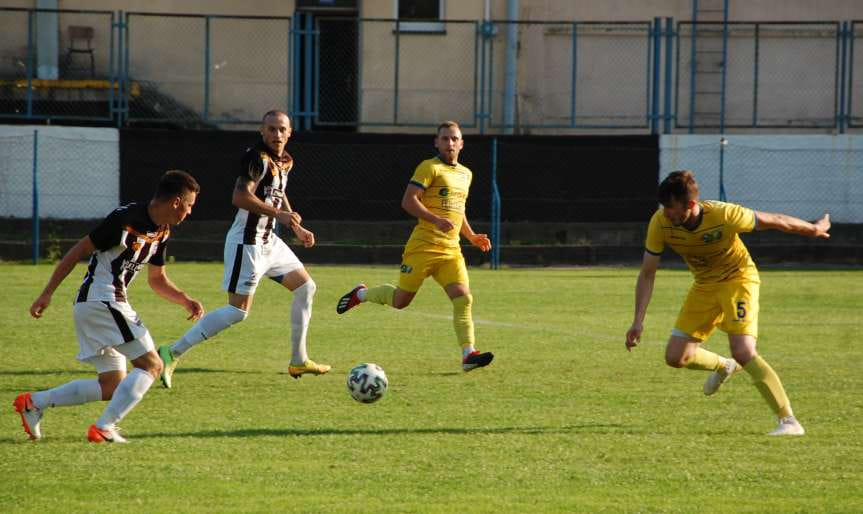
[(705, 360), (767, 382), (382, 294), (462, 319)]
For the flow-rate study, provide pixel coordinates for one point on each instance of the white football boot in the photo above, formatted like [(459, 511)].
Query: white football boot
[(788, 426), (717, 378)]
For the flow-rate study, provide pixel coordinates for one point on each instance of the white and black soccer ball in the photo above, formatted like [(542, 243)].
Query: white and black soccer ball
[(367, 383)]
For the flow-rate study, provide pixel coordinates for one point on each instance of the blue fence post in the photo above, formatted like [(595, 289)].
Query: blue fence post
[(724, 67), (722, 144), (574, 78), (755, 75), (307, 76), (124, 114), (35, 197), (657, 44), (843, 35), (692, 66), (851, 36), (30, 62), (495, 209), (669, 56), (206, 68), (396, 77)]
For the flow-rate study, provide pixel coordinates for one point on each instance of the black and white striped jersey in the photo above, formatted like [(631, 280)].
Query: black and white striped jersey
[(270, 175), (125, 241)]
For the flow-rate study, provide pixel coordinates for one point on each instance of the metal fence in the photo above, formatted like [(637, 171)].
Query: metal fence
[(493, 76), (805, 176)]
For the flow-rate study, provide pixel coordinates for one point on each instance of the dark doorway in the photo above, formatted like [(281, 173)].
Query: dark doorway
[(328, 70)]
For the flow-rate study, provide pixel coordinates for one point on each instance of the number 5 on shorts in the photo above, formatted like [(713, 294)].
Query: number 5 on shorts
[(741, 310)]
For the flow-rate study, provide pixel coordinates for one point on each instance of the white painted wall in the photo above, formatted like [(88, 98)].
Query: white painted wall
[(78, 170), (804, 176)]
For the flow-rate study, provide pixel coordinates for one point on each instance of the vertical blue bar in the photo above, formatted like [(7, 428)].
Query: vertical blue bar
[(489, 111), (30, 63), (289, 70), (316, 64), (724, 67), (482, 77), (843, 66), (206, 68), (692, 66), (35, 197), (495, 209), (307, 76), (396, 77), (476, 72), (111, 82), (574, 74), (722, 143), (755, 75), (851, 36), (669, 55), (657, 47), (648, 61), (126, 92), (295, 69)]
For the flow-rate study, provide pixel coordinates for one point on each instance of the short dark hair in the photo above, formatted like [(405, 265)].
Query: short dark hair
[(176, 183), (275, 112), (447, 124), (678, 186)]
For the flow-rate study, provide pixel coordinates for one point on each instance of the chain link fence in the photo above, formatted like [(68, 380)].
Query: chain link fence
[(776, 75), (214, 71), (51, 176), (804, 176), (201, 71), (42, 52)]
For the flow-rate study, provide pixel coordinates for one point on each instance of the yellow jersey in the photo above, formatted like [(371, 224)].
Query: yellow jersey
[(713, 250), (445, 188)]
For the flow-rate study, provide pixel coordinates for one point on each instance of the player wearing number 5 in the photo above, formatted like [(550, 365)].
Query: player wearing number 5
[(725, 291)]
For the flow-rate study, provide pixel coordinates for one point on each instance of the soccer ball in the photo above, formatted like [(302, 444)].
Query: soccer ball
[(367, 383)]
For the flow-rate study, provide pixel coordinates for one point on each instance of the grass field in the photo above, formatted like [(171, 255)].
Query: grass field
[(564, 420)]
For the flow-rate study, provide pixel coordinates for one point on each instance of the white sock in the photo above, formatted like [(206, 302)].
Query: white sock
[(130, 391), (70, 393), (208, 326), (301, 313), (361, 294), (467, 350)]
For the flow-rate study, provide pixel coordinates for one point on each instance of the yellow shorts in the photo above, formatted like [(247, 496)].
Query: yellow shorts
[(731, 306), (445, 267)]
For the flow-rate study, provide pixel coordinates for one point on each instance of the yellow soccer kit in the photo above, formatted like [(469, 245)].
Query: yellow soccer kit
[(430, 251), (725, 292)]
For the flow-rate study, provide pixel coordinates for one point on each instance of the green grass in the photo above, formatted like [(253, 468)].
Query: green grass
[(564, 420)]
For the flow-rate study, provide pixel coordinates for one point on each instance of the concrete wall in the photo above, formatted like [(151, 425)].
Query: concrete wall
[(78, 170), (804, 176)]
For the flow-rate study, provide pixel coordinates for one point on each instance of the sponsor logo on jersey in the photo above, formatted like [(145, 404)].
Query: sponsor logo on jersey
[(711, 237), (443, 191), (406, 269)]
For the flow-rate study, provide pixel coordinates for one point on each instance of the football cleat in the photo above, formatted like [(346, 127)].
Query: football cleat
[(717, 378), (31, 415), (349, 300), (475, 360), (310, 366), (169, 363), (788, 426), (109, 434)]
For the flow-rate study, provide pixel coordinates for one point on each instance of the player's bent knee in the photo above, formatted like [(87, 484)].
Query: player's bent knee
[(676, 361), (307, 290)]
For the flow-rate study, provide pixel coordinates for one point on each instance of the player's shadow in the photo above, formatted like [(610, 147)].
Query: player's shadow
[(282, 432), (183, 371)]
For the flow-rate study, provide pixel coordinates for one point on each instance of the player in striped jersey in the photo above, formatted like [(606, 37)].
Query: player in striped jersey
[(109, 331), (436, 195), (725, 291), (254, 251)]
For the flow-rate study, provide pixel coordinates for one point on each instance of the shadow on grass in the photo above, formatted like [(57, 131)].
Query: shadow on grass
[(265, 432)]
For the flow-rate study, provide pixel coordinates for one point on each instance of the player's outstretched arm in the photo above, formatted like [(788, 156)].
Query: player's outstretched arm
[(481, 241), (792, 225), (162, 285), (82, 248), (643, 292)]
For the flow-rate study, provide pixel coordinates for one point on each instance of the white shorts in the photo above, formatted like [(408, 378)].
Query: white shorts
[(245, 265), (109, 333)]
